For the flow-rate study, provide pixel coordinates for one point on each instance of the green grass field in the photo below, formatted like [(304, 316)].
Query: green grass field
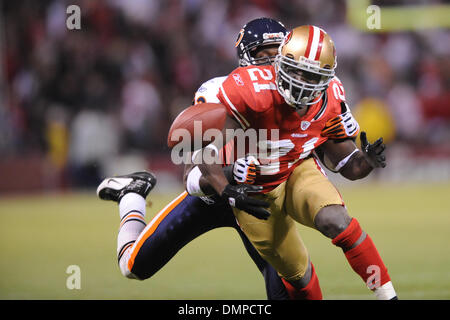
[(41, 236)]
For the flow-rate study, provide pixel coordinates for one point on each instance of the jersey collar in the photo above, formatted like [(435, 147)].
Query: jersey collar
[(317, 110)]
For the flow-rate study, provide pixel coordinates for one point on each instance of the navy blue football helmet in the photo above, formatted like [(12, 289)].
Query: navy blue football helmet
[(255, 34)]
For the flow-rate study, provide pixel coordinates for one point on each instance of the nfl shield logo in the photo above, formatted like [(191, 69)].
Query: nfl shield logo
[(237, 78), (304, 125)]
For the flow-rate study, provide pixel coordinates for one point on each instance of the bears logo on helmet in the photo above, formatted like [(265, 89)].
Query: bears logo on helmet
[(239, 39)]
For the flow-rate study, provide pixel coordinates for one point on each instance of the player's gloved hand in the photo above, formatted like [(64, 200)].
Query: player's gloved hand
[(238, 197), (373, 152), (244, 170)]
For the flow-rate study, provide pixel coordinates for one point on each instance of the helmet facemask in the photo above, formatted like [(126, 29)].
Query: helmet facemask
[(301, 83), (249, 53)]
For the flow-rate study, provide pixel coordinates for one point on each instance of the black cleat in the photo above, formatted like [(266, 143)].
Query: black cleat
[(116, 187)]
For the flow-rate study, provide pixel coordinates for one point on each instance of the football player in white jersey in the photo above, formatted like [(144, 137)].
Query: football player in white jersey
[(142, 248)]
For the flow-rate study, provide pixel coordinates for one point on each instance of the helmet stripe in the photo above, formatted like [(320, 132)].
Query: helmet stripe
[(310, 39), (315, 43), (319, 47)]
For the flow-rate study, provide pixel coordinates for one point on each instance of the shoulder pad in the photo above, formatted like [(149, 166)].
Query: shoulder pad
[(208, 91)]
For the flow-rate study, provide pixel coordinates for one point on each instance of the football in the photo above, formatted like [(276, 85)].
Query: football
[(190, 125)]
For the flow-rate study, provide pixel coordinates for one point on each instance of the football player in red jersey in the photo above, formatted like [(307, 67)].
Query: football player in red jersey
[(301, 104), (144, 248)]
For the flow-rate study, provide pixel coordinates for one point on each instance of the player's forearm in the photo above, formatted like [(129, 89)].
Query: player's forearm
[(357, 167), (213, 178), (195, 183), (207, 188)]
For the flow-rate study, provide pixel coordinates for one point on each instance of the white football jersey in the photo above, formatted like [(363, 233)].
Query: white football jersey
[(208, 91)]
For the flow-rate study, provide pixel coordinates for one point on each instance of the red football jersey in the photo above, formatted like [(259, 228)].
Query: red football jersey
[(251, 97)]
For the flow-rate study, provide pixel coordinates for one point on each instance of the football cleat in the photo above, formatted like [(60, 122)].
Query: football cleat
[(116, 187)]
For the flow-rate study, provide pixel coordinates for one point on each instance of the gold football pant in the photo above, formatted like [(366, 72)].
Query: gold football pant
[(298, 199)]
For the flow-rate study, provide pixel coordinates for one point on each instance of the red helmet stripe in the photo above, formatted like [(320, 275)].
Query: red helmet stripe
[(319, 47), (310, 39)]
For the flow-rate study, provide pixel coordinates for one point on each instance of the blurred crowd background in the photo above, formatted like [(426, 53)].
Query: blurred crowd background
[(76, 105)]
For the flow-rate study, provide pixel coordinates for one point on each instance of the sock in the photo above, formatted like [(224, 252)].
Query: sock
[(365, 260), (312, 290), (132, 222), (386, 292)]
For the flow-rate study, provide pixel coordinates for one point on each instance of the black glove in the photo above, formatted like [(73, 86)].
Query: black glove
[(373, 152), (237, 196)]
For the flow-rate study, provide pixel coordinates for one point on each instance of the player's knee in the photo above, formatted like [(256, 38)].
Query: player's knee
[(332, 220), (126, 272), (124, 269), (302, 279), (130, 275), (298, 275)]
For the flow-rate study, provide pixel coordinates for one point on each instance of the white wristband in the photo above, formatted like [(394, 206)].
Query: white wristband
[(193, 183), (344, 161)]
